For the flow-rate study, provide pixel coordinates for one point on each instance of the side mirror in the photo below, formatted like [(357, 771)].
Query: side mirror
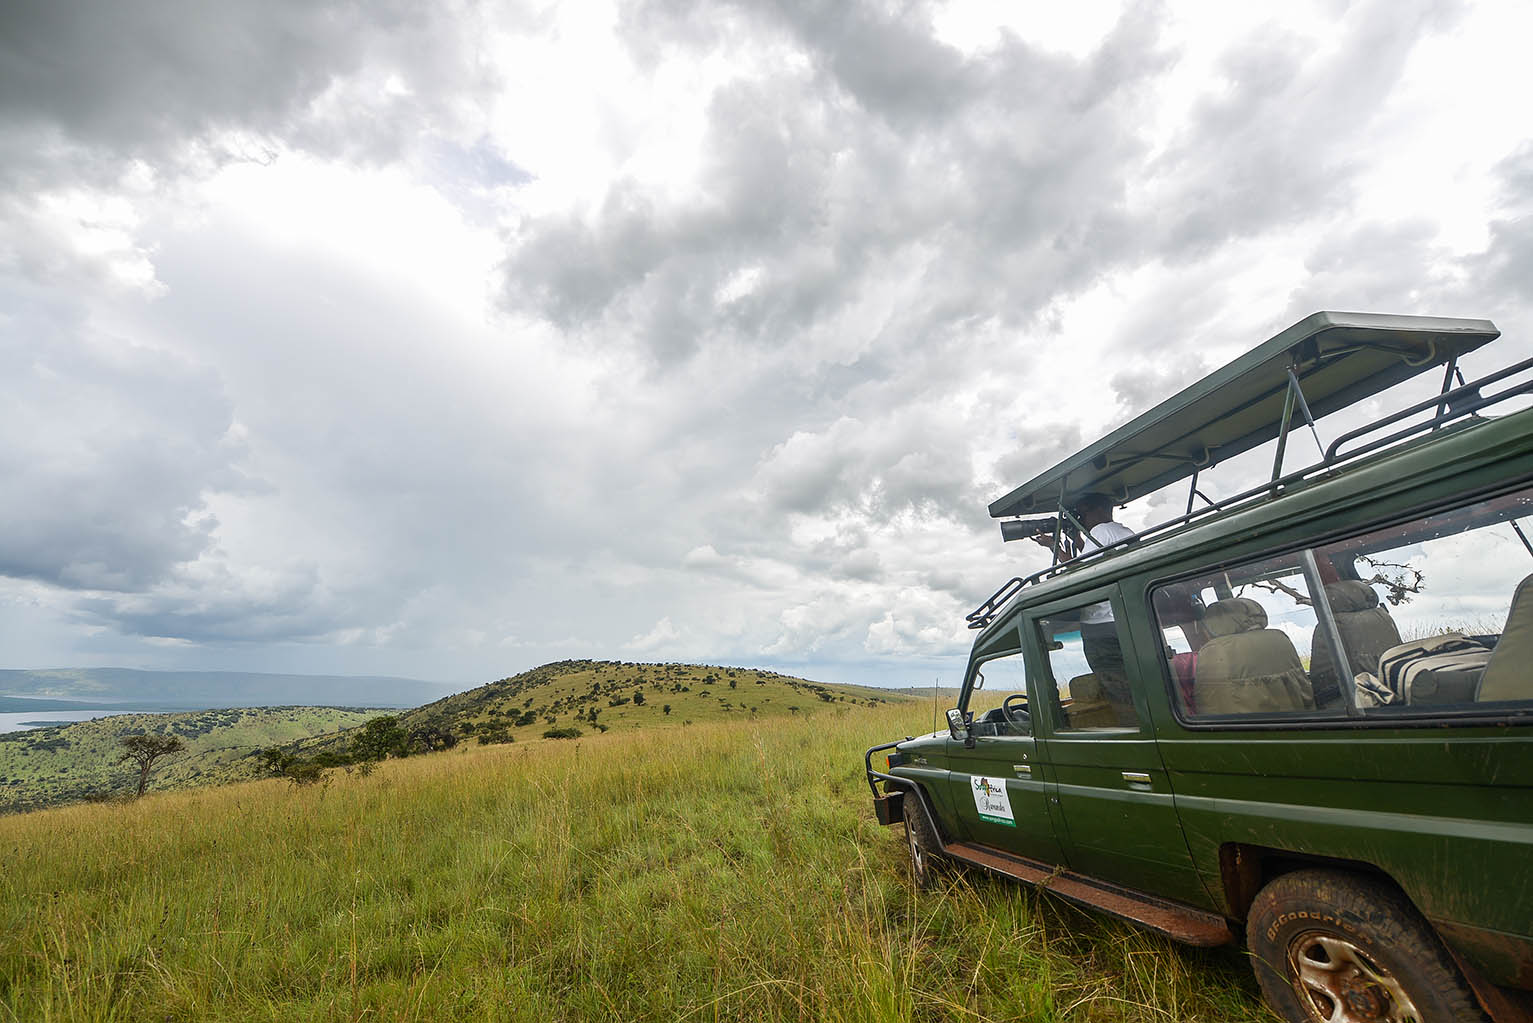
[(958, 726)]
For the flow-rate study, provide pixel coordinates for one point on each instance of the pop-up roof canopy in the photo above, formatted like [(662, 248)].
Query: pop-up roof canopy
[(1338, 360)]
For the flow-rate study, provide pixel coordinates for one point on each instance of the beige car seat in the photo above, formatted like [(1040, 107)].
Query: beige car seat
[(1247, 668), (1366, 630), (1509, 675), (1089, 707)]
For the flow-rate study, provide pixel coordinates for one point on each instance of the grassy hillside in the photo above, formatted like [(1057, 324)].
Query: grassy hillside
[(599, 696), (66, 763), (729, 871)]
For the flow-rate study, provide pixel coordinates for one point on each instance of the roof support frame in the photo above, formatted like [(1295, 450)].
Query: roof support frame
[(1448, 375), (1458, 403), (1293, 398), (1340, 359)]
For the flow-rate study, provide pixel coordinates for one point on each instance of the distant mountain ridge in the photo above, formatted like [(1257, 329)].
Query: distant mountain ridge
[(213, 689)]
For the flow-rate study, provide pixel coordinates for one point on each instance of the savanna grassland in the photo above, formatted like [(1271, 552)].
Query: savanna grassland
[(724, 870), (68, 763), (71, 763)]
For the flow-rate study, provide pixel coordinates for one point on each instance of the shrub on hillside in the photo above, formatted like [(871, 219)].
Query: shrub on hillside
[(304, 772), (494, 735), (562, 733)]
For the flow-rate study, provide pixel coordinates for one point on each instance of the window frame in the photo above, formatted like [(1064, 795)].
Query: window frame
[(1044, 681), (994, 650), (1442, 716)]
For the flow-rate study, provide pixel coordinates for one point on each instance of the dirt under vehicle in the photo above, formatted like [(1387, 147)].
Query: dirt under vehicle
[(1302, 714)]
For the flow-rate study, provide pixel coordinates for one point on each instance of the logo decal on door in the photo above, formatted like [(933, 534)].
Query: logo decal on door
[(991, 801)]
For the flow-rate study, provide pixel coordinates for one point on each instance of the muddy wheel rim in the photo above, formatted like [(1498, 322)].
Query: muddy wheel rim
[(1338, 982)]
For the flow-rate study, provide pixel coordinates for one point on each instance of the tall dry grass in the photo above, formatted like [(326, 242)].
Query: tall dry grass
[(719, 872)]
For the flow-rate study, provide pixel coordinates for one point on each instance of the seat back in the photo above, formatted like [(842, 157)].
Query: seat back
[(1089, 706), (1366, 631), (1246, 667), (1509, 675)]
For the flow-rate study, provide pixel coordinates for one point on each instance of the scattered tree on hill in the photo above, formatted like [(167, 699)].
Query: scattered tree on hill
[(666, 709), (638, 697), (380, 737), (144, 750), (562, 733), (431, 738)]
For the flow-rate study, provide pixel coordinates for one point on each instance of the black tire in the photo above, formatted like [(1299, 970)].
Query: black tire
[(1343, 948), (924, 845)]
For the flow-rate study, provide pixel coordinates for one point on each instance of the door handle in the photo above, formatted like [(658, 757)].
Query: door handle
[(1137, 778), (1023, 769)]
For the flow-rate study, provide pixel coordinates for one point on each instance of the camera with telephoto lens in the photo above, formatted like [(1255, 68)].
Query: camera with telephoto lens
[(1023, 529)]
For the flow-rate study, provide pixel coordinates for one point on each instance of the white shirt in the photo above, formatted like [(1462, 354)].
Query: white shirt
[(1105, 534), (1102, 535)]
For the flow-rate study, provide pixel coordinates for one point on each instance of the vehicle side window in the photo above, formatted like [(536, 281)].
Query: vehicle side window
[(1240, 641), (998, 698), (1086, 663), (1436, 614), (1429, 617)]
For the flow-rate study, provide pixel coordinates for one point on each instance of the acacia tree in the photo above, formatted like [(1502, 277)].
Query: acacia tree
[(144, 750)]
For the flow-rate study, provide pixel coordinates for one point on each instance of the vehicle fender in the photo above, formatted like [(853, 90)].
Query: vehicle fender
[(917, 796)]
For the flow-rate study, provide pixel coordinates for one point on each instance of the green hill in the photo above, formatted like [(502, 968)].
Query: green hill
[(598, 696), (69, 763)]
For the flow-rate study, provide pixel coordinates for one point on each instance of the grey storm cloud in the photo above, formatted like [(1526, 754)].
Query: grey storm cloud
[(750, 406), (1279, 144), (1506, 266), (145, 77), (879, 470), (108, 452), (888, 149), (222, 609)]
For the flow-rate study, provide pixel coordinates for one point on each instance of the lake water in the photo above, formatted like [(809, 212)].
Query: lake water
[(14, 722)]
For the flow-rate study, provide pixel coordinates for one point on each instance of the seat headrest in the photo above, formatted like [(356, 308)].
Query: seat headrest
[(1351, 595), (1238, 614), (1085, 687)]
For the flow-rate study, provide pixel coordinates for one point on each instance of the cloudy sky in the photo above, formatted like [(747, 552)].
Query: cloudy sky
[(445, 340)]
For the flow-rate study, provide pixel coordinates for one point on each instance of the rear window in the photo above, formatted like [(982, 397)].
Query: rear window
[(1429, 618)]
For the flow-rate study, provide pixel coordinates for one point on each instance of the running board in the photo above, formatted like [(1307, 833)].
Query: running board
[(1184, 923)]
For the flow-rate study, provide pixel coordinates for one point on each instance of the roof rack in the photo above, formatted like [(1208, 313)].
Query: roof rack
[(1449, 405)]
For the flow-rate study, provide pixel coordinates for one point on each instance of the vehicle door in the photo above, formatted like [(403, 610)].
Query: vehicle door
[(1112, 792), (997, 785), (1319, 720)]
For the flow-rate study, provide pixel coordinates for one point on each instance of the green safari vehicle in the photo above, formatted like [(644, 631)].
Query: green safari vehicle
[(1300, 715)]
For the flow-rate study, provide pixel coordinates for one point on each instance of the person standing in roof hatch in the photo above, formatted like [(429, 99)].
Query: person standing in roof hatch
[(1099, 634), (1095, 513)]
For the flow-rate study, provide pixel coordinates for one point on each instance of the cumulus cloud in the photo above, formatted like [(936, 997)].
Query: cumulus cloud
[(110, 451), (145, 78), (986, 182), (366, 336)]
